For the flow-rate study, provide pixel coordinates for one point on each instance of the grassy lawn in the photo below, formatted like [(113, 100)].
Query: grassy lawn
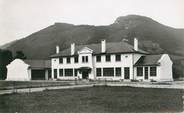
[(96, 99)]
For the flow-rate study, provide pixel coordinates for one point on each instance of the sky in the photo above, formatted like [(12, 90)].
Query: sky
[(20, 18)]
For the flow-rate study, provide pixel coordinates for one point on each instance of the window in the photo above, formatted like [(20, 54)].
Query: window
[(153, 71), (118, 71), (75, 71), (98, 72), (139, 71), (76, 59), (127, 72), (68, 59), (108, 71), (84, 59), (118, 57), (98, 58), (60, 60), (55, 73), (108, 58), (60, 72), (68, 72)]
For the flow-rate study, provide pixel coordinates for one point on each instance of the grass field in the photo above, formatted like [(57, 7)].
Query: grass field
[(99, 99)]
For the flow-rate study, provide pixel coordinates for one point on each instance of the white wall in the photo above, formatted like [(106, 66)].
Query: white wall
[(164, 70), (156, 78), (72, 65), (64, 65), (135, 58), (18, 71), (165, 73), (127, 60)]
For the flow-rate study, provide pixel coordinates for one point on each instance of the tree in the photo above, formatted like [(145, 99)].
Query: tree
[(20, 55), (5, 58)]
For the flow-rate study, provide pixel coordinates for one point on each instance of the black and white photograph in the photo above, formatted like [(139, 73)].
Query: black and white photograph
[(91, 56)]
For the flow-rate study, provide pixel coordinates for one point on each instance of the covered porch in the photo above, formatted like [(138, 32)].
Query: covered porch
[(84, 73)]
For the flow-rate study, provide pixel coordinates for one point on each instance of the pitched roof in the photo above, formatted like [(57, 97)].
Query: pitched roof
[(39, 63), (148, 60), (111, 47)]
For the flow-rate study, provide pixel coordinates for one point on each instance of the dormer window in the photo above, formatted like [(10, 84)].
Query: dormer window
[(84, 59), (108, 58), (68, 60)]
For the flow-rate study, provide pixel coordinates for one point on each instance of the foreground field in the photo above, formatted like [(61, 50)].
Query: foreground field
[(96, 99)]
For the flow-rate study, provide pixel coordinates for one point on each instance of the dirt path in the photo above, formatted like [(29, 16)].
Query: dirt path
[(173, 86), (24, 90)]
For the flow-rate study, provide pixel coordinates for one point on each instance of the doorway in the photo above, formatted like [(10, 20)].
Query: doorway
[(85, 72), (146, 73), (38, 74), (84, 75), (127, 72)]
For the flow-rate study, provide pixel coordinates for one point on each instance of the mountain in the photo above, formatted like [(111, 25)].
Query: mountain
[(153, 37)]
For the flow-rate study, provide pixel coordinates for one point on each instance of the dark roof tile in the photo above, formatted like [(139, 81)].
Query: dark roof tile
[(38, 63), (148, 60)]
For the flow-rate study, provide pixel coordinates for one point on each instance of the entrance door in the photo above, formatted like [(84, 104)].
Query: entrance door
[(38, 74), (127, 72), (55, 73), (146, 73), (84, 75)]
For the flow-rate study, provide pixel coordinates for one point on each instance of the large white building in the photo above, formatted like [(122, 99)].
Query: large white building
[(110, 61)]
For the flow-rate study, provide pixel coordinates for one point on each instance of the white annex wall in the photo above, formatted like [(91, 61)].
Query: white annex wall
[(18, 71), (164, 70), (165, 73)]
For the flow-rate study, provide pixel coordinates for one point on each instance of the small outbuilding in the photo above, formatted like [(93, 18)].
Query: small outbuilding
[(18, 71), (25, 70)]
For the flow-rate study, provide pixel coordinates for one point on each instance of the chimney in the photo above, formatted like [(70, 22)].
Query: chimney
[(72, 48), (135, 44), (57, 49), (103, 46)]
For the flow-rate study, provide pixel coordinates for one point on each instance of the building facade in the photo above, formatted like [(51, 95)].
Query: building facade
[(26, 70), (110, 61)]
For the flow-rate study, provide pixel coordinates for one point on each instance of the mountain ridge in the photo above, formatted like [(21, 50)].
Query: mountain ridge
[(124, 27)]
